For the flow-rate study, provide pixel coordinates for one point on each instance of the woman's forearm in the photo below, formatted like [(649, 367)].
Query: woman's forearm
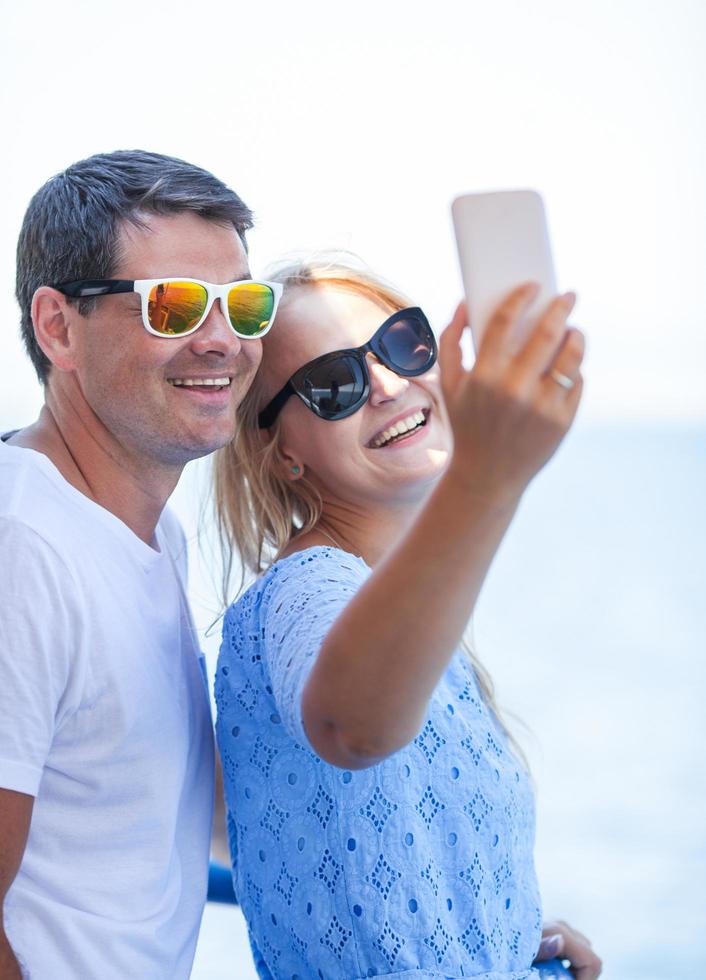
[(368, 691), (367, 694)]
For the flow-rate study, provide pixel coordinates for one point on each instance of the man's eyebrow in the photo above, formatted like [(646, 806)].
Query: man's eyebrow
[(248, 275)]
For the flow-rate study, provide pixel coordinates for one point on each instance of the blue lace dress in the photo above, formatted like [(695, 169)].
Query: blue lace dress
[(420, 866)]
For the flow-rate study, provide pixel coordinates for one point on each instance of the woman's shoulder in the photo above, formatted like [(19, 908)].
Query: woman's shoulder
[(318, 557), (272, 633), (318, 570)]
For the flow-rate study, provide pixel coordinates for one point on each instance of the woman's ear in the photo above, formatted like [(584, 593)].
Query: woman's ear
[(293, 468), (286, 465), (53, 318)]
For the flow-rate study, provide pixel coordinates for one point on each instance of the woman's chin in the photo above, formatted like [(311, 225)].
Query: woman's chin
[(439, 458), (430, 462), (420, 475)]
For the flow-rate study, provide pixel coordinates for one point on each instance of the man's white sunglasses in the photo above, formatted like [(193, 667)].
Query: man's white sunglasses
[(176, 306)]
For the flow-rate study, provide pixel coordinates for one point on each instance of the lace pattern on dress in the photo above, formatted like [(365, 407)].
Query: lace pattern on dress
[(420, 864)]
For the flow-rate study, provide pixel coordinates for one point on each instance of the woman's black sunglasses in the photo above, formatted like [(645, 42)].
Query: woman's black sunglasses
[(336, 385)]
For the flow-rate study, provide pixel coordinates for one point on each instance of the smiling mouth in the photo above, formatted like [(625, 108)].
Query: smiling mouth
[(400, 430), (211, 383)]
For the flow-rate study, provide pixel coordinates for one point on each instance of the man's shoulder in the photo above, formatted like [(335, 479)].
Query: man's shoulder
[(32, 493), (45, 520), (38, 503)]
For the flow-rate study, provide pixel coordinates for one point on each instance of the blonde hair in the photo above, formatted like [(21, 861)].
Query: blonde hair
[(258, 510)]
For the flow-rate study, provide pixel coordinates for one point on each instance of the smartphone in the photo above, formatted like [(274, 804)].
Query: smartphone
[(503, 241)]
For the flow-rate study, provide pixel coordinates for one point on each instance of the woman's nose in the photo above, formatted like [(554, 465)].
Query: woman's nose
[(385, 385)]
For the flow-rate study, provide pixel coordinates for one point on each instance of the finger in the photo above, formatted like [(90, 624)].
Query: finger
[(543, 343), (550, 947), (562, 940), (580, 936), (494, 348), (587, 972), (450, 354), (567, 362), (571, 352), (585, 964), (559, 926), (559, 400)]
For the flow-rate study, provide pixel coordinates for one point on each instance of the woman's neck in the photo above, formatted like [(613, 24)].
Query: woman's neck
[(367, 532)]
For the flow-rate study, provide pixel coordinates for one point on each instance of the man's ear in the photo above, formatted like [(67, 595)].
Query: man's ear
[(52, 318)]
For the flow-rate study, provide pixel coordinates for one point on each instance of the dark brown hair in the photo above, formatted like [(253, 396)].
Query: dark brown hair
[(71, 229)]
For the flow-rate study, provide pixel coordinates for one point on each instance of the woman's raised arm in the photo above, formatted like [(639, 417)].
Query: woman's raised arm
[(379, 664)]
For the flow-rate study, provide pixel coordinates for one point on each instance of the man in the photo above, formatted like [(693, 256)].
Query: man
[(106, 754)]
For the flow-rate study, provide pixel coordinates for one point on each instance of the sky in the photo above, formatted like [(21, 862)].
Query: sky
[(354, 126)]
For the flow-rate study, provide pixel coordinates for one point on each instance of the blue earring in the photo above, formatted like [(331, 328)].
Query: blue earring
[(296, 470)]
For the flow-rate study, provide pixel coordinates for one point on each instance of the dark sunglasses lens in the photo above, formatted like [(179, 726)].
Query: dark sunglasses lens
[(335, 386), (408, 344)]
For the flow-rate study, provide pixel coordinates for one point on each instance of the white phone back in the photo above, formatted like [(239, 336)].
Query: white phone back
[(503, 241)]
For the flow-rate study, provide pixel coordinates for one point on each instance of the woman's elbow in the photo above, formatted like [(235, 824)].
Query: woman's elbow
[(344, 748), (344, 753)]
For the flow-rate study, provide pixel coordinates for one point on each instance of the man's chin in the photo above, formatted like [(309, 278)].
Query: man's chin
[(181, 452), (206, 448)]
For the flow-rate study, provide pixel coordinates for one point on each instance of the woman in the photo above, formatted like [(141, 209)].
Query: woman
[(380, 821)]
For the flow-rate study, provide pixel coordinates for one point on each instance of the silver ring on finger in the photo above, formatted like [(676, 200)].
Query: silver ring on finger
[(562, 379)]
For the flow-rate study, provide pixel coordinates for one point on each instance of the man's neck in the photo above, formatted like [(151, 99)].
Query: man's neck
[(134, 491)]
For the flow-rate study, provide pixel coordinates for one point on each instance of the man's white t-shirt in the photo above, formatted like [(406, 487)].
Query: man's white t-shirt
[(105, 720)]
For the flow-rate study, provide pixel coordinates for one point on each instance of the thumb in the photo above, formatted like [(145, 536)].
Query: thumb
[(550, 947)]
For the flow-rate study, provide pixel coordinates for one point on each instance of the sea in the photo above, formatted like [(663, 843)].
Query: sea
[(592, 622)]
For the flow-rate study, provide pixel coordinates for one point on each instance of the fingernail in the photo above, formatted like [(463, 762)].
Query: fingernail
[(553, 944), (569, 298)]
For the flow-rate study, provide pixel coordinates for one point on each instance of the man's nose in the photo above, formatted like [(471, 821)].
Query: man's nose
[(385, 385), (215, 335)]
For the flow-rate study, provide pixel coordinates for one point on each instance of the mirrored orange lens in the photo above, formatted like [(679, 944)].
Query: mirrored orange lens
[(175, 307), (250, 308)]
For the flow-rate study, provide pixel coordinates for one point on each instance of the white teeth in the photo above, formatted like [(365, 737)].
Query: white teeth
[(190, 382), (399, 428)]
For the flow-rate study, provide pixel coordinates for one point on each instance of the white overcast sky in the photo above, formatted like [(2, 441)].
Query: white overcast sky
[(353, 125)]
